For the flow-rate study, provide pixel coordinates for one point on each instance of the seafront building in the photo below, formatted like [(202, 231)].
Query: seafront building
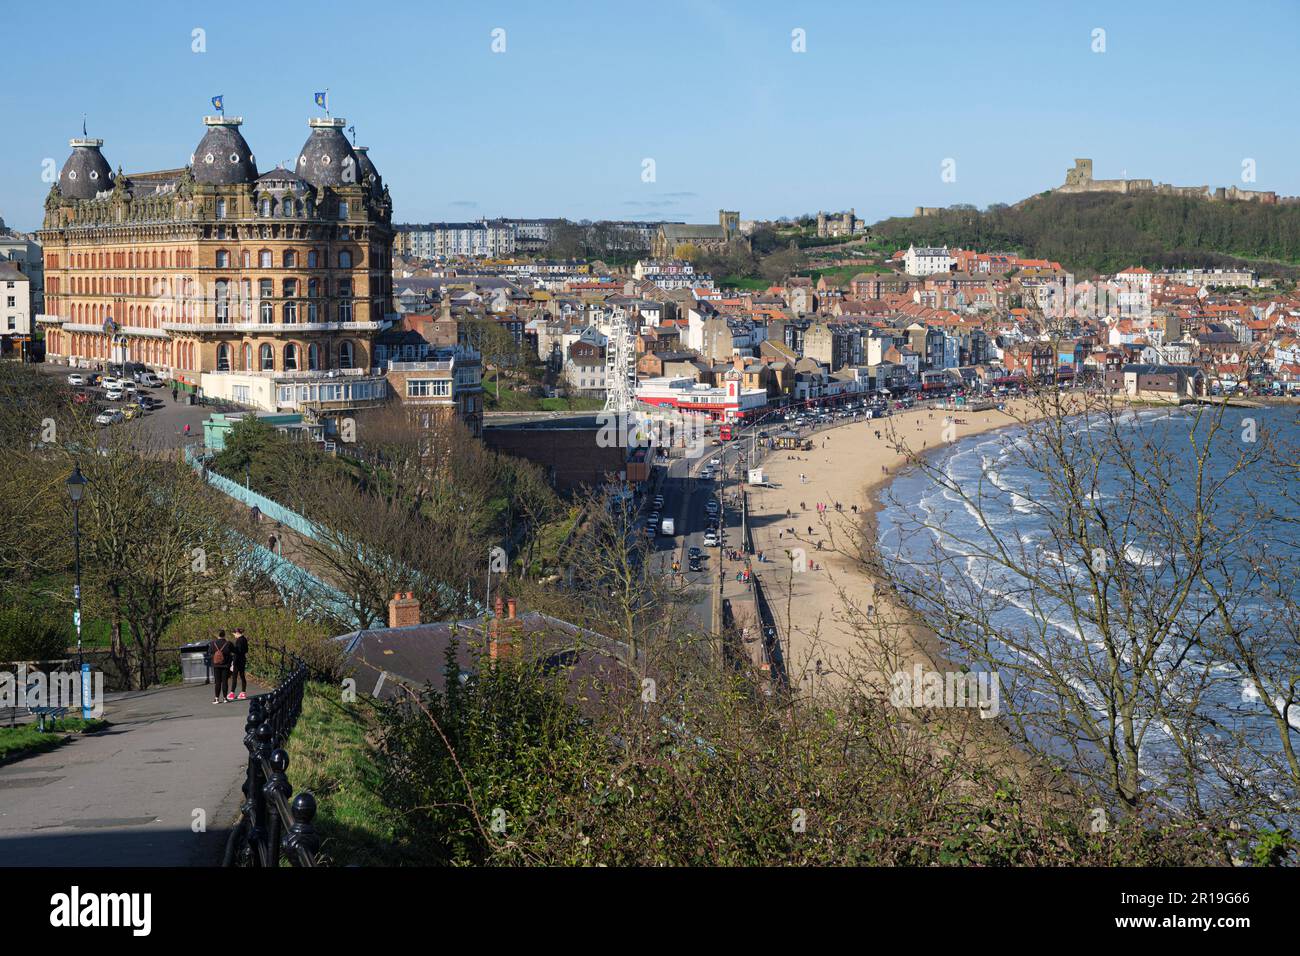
[(263, 289)]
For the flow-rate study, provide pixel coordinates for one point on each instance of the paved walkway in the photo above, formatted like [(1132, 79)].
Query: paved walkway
[(128, 796)]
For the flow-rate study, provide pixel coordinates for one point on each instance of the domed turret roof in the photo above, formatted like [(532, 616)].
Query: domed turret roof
[(86, 172), (222, 157), (327, 158), (368, 168)]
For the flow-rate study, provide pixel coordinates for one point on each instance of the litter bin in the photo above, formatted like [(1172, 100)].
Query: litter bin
[(195, 668)]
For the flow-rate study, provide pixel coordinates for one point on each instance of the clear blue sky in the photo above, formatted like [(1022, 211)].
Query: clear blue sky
[(560, 123)]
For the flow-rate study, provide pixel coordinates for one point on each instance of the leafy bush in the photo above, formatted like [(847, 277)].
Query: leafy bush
[(29, 636), (268, 630)]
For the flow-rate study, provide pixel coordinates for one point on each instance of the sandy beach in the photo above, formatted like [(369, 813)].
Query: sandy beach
[(840, 628)]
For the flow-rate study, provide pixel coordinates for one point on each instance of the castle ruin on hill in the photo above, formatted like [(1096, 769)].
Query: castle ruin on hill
[(1079, 180)]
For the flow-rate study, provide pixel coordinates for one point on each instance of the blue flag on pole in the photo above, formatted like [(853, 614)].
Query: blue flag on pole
[(322, 100), (219, 104)]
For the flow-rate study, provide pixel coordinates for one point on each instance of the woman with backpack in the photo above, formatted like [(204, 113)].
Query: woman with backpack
[(221, 651), (238, 664)]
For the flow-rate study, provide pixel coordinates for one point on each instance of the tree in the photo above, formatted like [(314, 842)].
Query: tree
[(1134, 587)]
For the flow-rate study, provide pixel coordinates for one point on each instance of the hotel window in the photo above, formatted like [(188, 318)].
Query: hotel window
[(428, 387), (343, 209), (345, 259), (264, 259), (223, 301), (241, 395), (345, 354), (313, 258), (291, 357), (223, 357), (313, 358), (248, 358), (290, 311), (290, 259), (223, 259), (266, 207), (221, 209)]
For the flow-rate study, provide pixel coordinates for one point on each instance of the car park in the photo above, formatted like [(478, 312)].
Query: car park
[(114, 394), (110, 416), (149, 403)]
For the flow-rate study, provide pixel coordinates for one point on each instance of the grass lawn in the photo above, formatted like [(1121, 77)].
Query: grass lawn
[(514, 400), (331, 754), (741, 282), (25, 740)]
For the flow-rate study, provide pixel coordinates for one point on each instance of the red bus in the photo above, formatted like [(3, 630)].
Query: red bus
[(725, 433)]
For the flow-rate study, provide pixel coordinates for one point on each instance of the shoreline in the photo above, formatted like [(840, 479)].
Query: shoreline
[(842, 458)]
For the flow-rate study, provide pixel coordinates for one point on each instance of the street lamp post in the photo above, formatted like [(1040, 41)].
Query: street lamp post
[(77, 488)]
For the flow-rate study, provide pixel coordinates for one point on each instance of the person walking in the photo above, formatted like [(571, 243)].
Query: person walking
[(220, 651), (175, 395), (238, 665)]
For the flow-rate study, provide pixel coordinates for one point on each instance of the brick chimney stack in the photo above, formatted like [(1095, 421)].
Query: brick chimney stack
[(403, 610), (501, 644)]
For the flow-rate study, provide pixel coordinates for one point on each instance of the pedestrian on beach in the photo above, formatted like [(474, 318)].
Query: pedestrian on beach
[(220, 652), (238, 665)]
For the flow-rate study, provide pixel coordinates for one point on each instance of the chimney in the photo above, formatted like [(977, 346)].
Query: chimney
[(403, 610), (501, 644)]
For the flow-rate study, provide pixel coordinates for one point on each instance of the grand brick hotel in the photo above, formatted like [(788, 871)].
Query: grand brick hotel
[(263, 289)]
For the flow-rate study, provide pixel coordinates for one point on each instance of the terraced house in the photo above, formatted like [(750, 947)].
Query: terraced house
[(265, 289)]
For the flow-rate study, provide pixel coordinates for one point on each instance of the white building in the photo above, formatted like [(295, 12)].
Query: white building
[(485, 238), (15, 302), (928, 260)]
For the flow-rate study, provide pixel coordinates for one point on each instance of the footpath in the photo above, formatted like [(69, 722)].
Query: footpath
[(131, 795)]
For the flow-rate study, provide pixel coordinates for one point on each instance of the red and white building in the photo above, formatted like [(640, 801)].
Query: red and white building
[(725, 403)]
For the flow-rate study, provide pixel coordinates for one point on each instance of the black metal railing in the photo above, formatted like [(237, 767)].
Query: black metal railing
[(270, 824)]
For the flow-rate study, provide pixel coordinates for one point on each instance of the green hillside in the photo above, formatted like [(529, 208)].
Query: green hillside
[(1098, 232)]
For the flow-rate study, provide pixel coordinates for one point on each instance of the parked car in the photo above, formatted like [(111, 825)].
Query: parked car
[(150, 380), (132, 410), (710, 539), (110, 416), (114, 394), (150, 403), (695, 564), (110, 383), (694, 552), (76, 379)]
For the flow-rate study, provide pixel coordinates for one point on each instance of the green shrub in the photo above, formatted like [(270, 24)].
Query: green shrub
[(267, 630), (29, 636)]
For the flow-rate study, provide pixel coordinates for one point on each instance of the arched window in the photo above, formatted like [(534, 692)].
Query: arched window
[(248, 357), (345, 354), (290, 259), (313, 357), (290, 288), (223, 300), (266, 207), (223, 357), (345, 259), (264, 259), (290, 311), (291, 357), (268, 358), (313, 259), (223, 259)]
